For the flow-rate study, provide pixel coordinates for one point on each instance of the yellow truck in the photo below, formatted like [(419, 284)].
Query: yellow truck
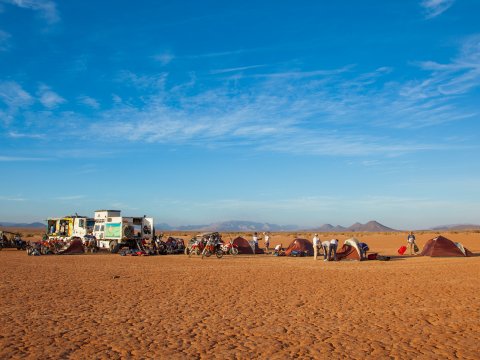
[(64, 228)]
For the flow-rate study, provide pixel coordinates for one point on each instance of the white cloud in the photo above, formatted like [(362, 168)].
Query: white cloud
[(7, 158), (13, 95), (70, 197), (12, 198), (458, 77), (14, 98), (89, 101), (164, 58), (142, 81), (16, 135), (433, 8), (49, 98), (235, 69), (46, 8)]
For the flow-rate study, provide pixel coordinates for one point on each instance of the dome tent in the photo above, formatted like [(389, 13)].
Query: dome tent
[(443, 247)]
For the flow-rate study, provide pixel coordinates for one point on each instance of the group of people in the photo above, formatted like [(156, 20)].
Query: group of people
[(329, 248)]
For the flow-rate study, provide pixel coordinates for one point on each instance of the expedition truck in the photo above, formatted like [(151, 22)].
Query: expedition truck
[(113, 231), (69, 226)]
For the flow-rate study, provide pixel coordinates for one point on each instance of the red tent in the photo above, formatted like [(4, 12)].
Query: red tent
[(443, 247), (302, 245), (243, 245)]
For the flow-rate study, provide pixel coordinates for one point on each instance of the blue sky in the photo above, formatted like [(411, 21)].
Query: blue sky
[(305, 112)]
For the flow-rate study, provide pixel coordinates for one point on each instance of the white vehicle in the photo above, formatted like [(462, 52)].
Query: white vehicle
[(113, 231), (67, 227)]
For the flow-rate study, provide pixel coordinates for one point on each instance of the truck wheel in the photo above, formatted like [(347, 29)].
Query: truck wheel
[(114, 247)]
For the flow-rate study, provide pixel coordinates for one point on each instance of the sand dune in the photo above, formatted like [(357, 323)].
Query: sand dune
[(175, 307)]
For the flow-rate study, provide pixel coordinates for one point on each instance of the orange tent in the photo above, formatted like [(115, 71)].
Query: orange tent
[(349, 251), (302, 245)]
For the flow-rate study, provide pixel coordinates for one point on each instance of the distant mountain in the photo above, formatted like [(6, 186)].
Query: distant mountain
[(371, 226), (233, 225), (246, 226), (23, 225), (166, 227), (330, 228), (458, 227), (236, 225)]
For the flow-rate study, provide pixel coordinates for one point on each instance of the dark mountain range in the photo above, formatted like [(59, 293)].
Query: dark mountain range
[(242, 226), (457, 227), (330, 228), (371, 226), (233, 225), (23, 225)]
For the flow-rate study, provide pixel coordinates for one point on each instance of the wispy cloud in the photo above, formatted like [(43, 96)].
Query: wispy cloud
[(89, 101), (12, 198), (14, 98), (164, 57), (46, 8), (7, 158), (433, 8), (315, 112), (49, 98), (219, 54), (458, 76), (235, 69), (17, 135), (142, 81), (70, 197), (303, 108)]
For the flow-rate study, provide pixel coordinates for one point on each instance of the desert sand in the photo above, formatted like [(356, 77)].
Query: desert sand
[(174, 307)]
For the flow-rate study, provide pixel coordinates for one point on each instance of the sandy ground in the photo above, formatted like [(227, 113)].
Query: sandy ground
[(175, 307)]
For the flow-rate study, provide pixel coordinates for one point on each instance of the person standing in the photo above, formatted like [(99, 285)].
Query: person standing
[(267, 241), (333, 248), (411, 242), (254, 243), (315, 241)]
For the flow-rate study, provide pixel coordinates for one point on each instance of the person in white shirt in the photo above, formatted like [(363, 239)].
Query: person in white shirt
[(326, 248), (333, 248), (267, 241), (277, 250), (316, 243), (254, 243)]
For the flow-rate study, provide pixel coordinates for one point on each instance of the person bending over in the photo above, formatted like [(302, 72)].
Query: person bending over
[(333, 249)]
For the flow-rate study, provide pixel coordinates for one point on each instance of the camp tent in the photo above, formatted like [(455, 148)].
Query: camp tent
[(350, 250), (302, 245), (243, 245), (75, 247), (443, 247)]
